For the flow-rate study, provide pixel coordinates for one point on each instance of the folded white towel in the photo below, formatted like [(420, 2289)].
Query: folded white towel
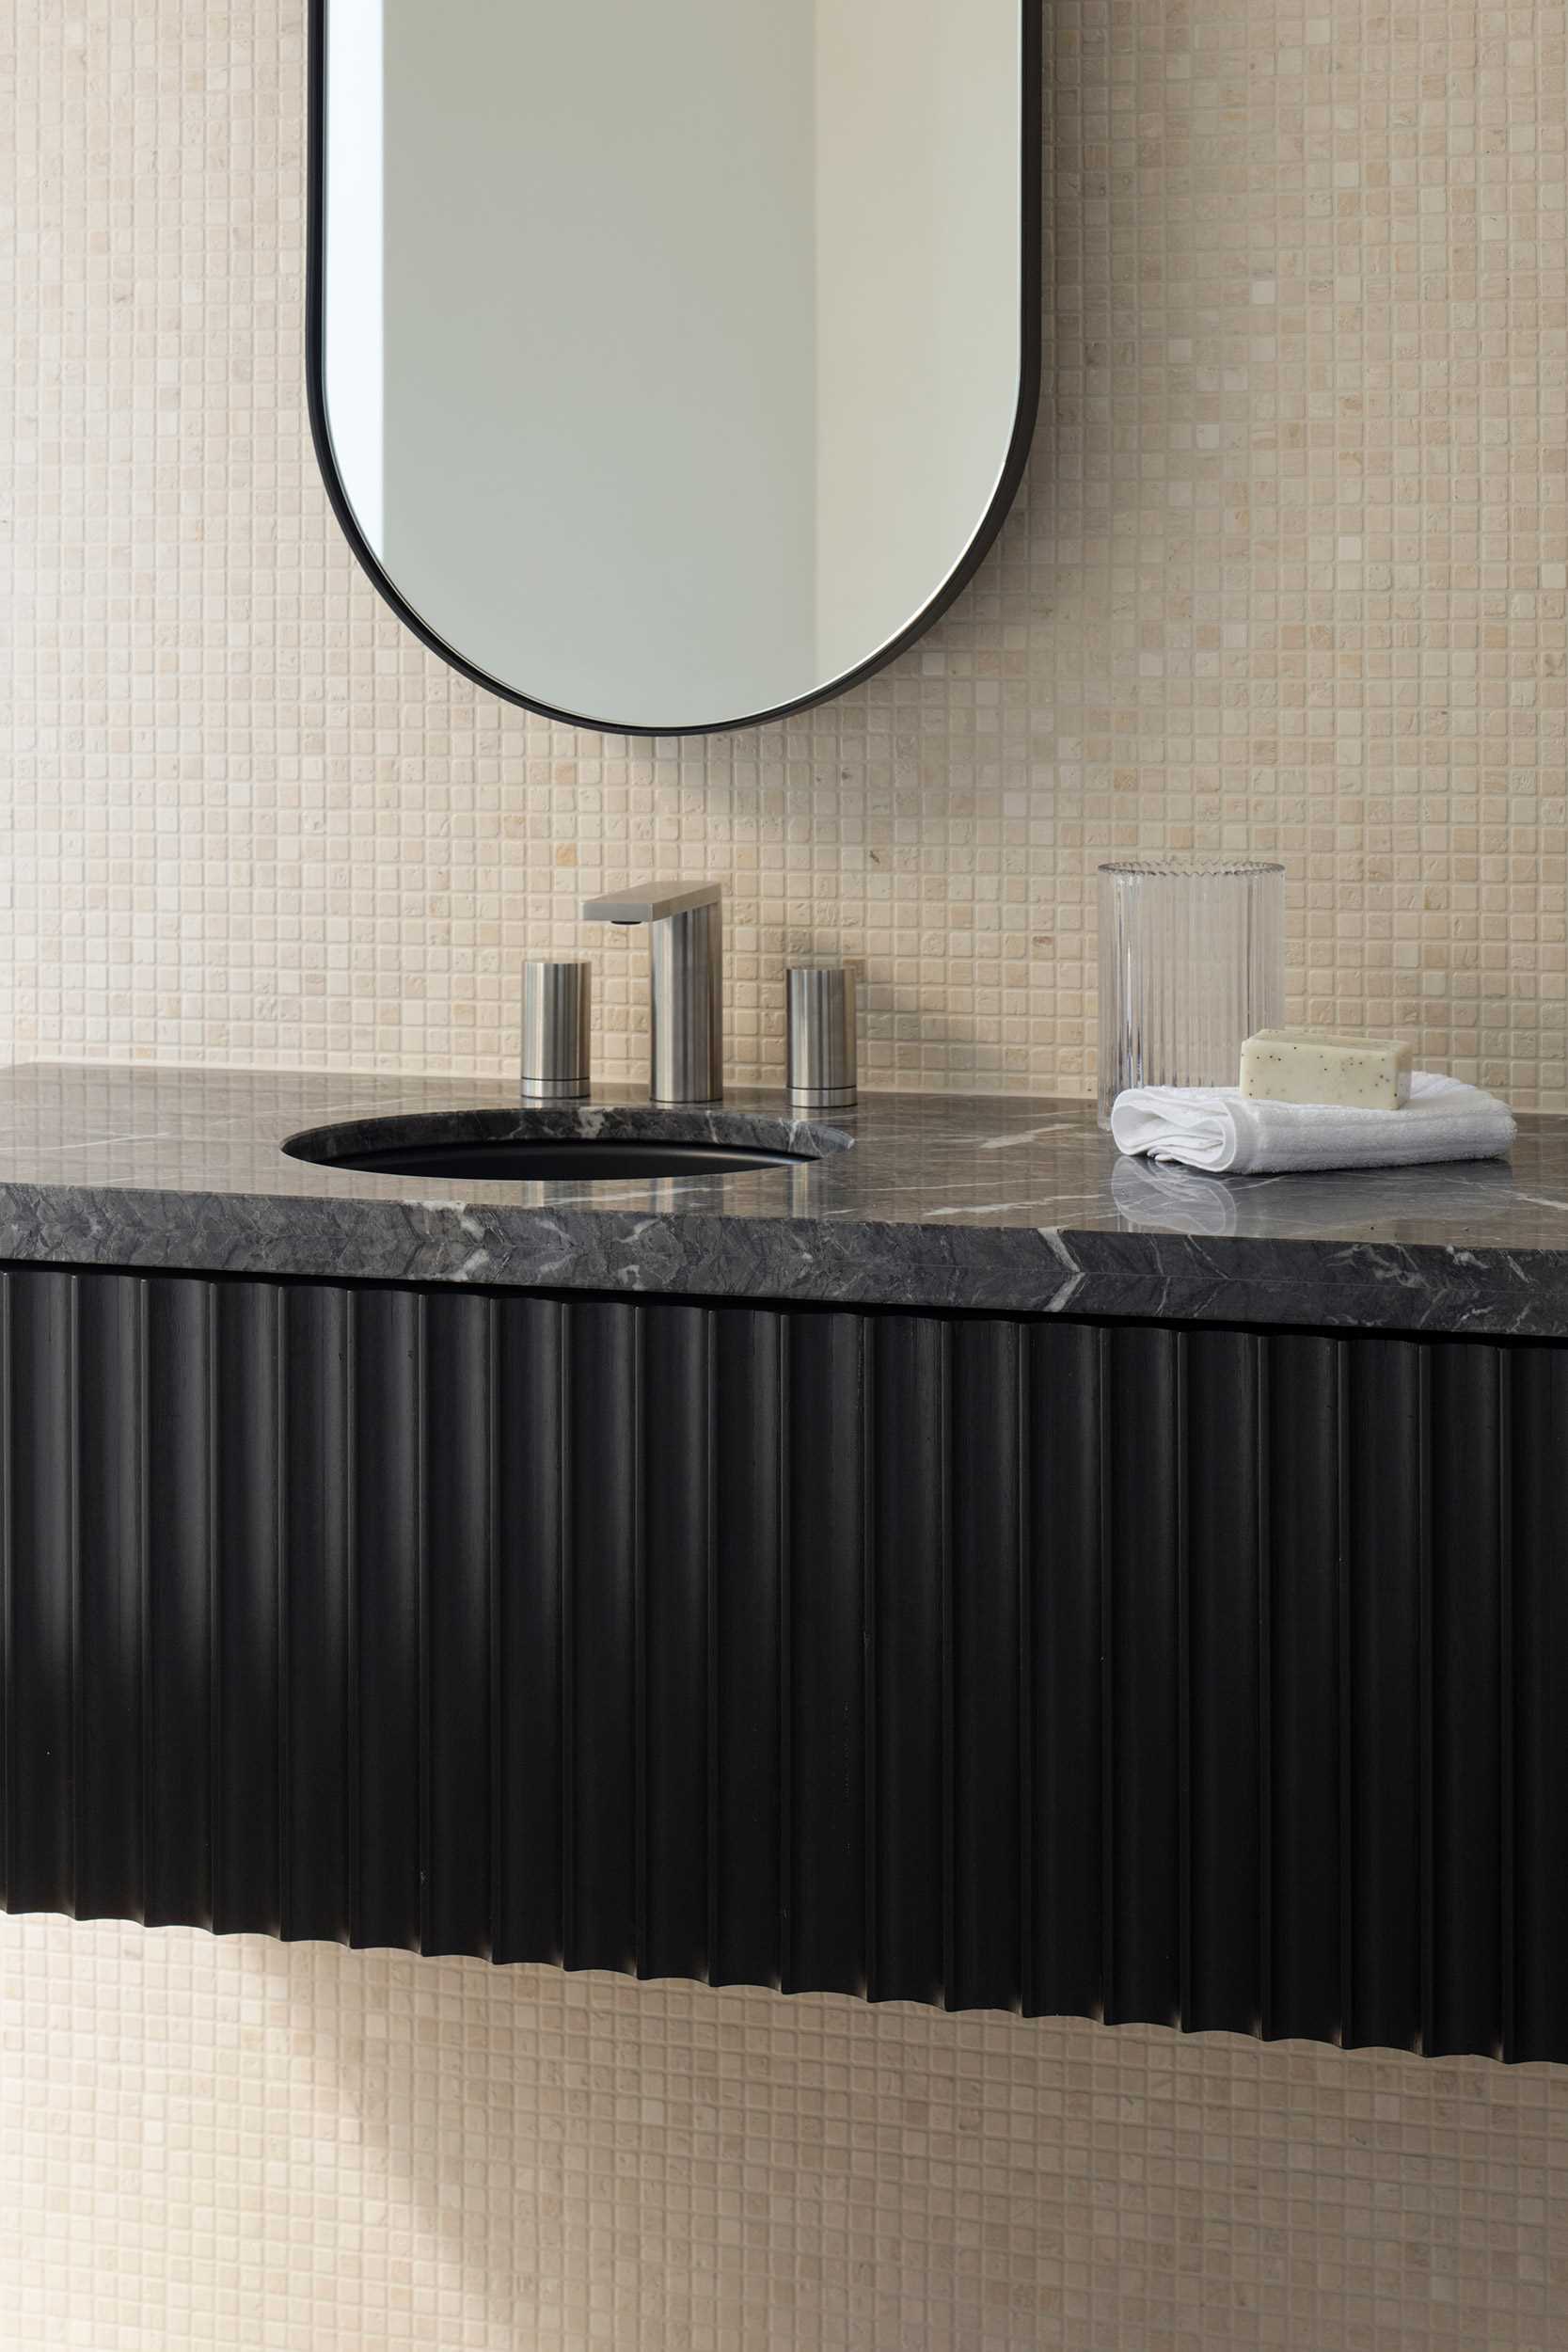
[(1218, 1129)]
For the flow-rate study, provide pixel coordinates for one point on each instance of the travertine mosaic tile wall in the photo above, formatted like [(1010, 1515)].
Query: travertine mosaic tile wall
[(244, 2147), (1290, 574)]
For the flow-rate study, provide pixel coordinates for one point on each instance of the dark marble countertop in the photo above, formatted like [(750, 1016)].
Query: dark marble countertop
[(993, 1202)]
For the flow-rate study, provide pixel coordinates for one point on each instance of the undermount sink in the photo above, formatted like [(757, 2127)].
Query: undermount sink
[(555, 1157), (568, 1143)]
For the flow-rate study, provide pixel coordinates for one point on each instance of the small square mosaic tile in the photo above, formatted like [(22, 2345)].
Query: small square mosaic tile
[(240, 2146), (1288, 574)]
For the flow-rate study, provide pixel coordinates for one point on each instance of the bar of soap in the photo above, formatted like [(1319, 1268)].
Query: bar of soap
[(1325, 1066)]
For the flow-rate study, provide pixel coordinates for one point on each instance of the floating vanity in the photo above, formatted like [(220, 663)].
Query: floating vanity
[(942, 1563)]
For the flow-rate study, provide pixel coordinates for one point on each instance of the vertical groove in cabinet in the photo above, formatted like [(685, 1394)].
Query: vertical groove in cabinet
[(42, 1708), (1182, 1345), (316, 1667), (788, 1973), (1144, 1577), (675, 1640), (1104, 1460), (489, 1629), (70, 1479), (1464, 1732), (602, 1924), (457, 1391), (639, 1871), (457, 1385), (748, 1685), (529, 1538), (1023, 1677), (354, 1696), (1539, 1469), (496, 1565), (426, 1730), (1507, 1669), (1347, 1691), (212, 1427), (712, 1664), (637, 1926), (1426, 1793), (945, 1854), (1304, 1689), (281, 1518), (566, 1671), (907, 1409), (984, 1762), (1065, 1658), (108, 1829), (72, 1436), (826, 1600), (179, 1507), (1263, 1634), (870, 1664), (1226, 1762), (246, 1880), (1386, 1433), (7, 1590), (384, 1514)]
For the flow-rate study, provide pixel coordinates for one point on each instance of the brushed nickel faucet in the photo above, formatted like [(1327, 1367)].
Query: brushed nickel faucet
[(685, 972)]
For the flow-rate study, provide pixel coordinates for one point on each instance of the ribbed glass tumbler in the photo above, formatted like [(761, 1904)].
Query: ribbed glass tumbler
[(1192, 961)]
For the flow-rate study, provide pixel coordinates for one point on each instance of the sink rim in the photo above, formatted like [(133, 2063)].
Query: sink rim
[(335, 1146)]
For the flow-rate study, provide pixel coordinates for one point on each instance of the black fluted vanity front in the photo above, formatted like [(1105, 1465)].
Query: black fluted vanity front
[(942, 1563)]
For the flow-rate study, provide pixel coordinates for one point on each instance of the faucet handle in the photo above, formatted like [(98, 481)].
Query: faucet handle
[(651, 901)]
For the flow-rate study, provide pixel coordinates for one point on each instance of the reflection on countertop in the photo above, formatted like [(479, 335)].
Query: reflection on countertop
[(995, 1202)]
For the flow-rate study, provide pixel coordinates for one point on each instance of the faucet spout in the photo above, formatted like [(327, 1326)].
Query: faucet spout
[(686, 974)]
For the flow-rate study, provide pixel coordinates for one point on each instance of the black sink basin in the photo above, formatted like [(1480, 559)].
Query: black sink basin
[(568, 1144), (552, 1159)]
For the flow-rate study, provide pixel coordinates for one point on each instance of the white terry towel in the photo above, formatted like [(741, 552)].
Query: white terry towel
[(1217, 1129)]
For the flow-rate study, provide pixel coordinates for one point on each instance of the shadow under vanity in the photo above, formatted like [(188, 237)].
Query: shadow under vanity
[(948, 1568)]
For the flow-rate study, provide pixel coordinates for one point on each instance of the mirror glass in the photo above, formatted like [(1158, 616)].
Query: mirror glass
[(672, 365)]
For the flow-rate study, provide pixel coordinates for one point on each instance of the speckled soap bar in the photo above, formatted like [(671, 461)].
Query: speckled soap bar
[(1323, 1066)]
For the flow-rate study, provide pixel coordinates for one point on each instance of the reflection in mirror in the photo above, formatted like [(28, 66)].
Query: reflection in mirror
[(672, 365)]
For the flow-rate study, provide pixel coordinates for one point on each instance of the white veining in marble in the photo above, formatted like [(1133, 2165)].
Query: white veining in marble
[(184, 1169)]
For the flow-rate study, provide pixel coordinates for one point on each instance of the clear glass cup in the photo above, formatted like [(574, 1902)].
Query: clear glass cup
[(1192, 961)]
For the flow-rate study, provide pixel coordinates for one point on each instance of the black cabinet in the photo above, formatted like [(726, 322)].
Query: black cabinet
[(1216, 1677)]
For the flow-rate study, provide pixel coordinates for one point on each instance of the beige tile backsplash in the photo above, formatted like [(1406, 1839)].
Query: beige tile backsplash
[(1289, 575)]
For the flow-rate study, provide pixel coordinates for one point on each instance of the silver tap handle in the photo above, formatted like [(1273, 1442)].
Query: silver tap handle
[(556, 1000), (822, 1034), (651, 901)]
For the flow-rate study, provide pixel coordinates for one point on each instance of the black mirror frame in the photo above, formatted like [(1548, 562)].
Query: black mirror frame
[(1030, 153)]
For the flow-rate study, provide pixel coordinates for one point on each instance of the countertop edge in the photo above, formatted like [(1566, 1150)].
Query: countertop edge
[(1143, 1275)]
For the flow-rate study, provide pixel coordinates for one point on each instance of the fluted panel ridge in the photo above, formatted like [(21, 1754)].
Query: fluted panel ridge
[(1204, 1677)]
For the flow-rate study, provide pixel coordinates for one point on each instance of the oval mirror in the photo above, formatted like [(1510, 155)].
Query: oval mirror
[(672, 367)]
